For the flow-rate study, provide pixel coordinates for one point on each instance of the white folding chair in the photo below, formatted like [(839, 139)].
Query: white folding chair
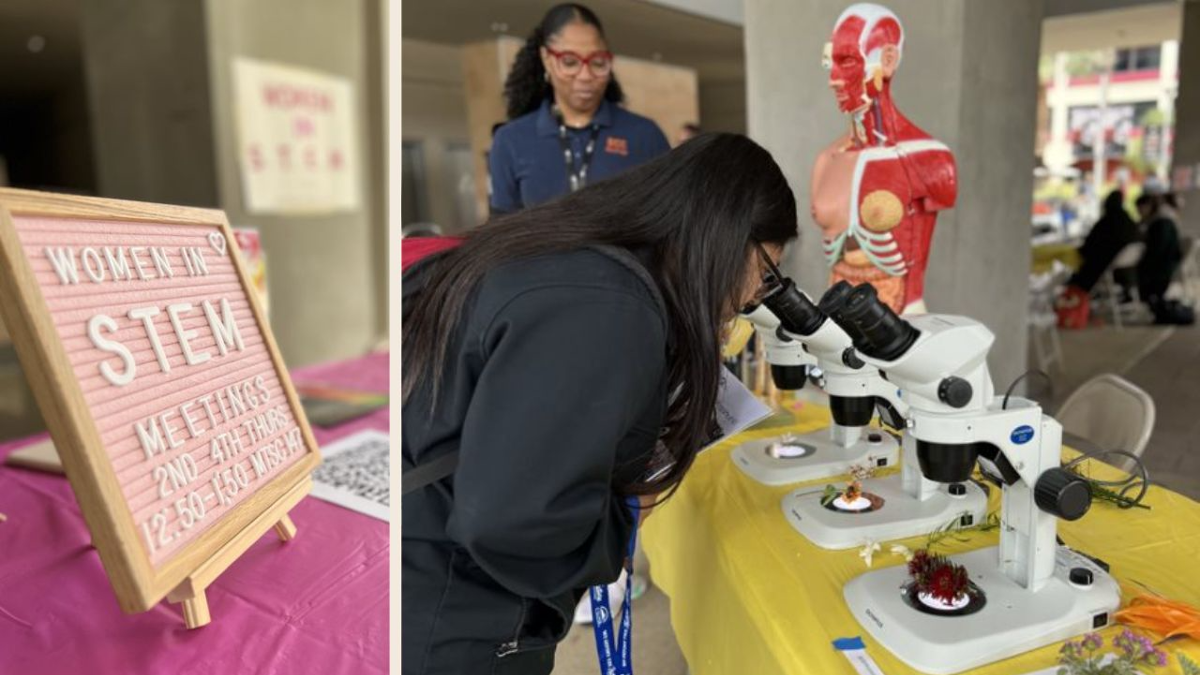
[(1111, 412), (1189, 269), (1043, 319), (1128, 258)]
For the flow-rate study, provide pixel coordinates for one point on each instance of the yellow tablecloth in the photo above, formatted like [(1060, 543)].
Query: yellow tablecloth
[(751, 596), (1045, 255)]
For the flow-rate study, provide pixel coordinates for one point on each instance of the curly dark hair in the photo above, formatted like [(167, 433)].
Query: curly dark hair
[(526, 86)]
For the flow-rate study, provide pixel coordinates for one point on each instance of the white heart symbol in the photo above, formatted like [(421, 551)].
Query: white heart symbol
[(217, 241)]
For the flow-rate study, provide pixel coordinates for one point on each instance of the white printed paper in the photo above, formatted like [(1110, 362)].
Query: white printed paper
[(354, 473), (737, 407)]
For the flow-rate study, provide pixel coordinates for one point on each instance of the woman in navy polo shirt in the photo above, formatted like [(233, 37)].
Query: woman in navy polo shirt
[(566, 126)]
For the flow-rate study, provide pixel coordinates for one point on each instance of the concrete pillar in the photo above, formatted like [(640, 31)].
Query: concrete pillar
[(957, 81), (149, 98), (161, 93), (1187, 118)]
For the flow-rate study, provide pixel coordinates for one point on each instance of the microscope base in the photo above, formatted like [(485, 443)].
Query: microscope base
[(901, 515), (822, 459), (1012, 621)]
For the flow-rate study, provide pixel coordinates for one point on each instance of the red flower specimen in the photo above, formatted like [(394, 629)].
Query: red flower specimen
[(934, 574)]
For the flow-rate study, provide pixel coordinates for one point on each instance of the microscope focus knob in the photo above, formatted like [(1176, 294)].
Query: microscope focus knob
[(955, 391), (1081, 576), (850, 359), (1061, 493)]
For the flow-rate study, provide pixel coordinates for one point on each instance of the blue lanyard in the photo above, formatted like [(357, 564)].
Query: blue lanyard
[(616, 657)]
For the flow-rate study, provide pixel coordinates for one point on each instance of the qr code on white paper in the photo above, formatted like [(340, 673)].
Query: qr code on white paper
[(354, 473)]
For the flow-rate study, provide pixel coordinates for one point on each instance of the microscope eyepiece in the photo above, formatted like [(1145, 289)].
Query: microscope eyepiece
[(884, 335), (833, 305), (797, 314), (835, 297)]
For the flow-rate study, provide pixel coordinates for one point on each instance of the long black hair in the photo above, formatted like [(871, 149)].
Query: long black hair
[(526, 86), (696, 212)]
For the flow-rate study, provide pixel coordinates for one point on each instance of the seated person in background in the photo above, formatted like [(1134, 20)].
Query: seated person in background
[(1160, 261), (1112, 232)]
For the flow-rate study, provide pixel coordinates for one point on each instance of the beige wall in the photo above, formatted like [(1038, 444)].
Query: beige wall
[(375, 39), (434, 110), (665, 93), (723, 106), (320, 267), (485, 65)]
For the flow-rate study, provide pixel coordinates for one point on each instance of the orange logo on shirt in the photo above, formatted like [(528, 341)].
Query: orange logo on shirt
[(616, 146)]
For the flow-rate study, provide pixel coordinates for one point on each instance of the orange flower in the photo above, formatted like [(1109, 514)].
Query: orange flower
[(1165, 617)]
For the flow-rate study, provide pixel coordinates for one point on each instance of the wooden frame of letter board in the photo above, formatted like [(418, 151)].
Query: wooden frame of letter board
[(137, 584)]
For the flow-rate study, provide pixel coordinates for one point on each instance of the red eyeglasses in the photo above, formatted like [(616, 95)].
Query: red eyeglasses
[(571, 63)]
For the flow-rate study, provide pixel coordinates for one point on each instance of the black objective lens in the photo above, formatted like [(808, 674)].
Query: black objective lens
[(852, 411), (945, 462), (885, 336), (797, 314), (789, 378)]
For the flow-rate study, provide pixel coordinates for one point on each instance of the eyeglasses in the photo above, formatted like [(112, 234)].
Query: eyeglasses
[(571, 63), (772, 278)]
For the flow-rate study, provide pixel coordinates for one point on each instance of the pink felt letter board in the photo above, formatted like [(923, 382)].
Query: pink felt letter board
[(160, 381)]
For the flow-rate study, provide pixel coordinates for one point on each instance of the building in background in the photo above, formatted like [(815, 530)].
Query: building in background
[(1108, 86)]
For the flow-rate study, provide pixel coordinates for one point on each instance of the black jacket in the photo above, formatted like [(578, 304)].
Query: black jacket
[(554, 386), (1113, 232), (1161, 258)]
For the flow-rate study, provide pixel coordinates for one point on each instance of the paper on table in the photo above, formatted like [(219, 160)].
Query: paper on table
[(354, 473), (737, 407), (41, 456), (856, 653)]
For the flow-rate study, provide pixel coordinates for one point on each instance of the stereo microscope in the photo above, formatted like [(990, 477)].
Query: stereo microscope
[(1028, 591)]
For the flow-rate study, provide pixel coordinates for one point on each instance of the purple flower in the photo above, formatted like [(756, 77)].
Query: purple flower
[(1093, 641), (1156, 657), (1121, 641)]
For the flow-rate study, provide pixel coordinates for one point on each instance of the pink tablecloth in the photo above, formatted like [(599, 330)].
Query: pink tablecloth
[(318, 604)]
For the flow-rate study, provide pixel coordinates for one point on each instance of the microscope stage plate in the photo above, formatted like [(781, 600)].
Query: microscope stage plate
[(899, 517), (824, 458), (1013, 620)]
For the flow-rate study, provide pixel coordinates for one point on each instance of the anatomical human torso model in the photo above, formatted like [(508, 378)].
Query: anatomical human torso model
[(877, 190)]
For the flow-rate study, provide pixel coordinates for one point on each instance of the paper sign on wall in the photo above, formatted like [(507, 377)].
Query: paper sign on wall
[(160, 382), (297, 148)]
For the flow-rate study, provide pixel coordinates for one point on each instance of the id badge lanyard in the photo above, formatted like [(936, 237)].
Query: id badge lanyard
[(577, 175), (615, 651)]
